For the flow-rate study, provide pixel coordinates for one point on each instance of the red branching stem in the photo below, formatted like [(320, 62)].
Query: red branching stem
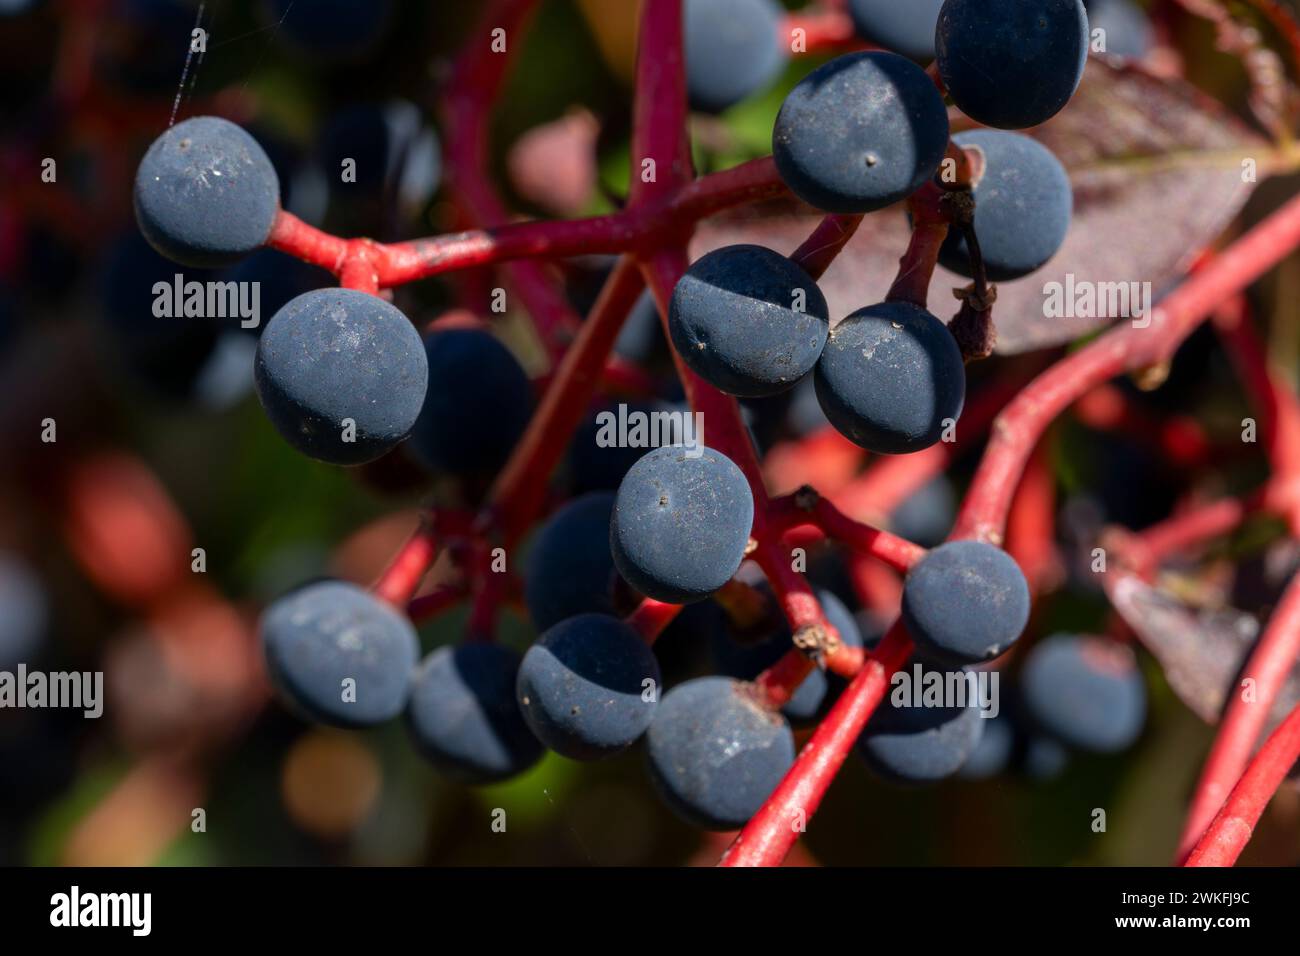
[(1126, 348), (773, 830), (476, 80), (520, 489), (899, 553), (660, 104), (1182, 531), (1031, 525), (1231, 829), (823, 31), (291, 235), (929, 229), (640, 226), (890, 479), (401, 579), (818, 251), (428, 606), (1247, 714), (1279, 409), (488, 588), (652, 617), (749, 182), (1180, 438)]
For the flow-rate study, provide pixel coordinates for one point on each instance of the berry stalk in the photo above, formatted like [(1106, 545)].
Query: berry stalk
[(1231, 829)]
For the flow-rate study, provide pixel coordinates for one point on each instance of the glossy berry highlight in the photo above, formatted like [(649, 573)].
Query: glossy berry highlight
[(748, 320), (205, 193)]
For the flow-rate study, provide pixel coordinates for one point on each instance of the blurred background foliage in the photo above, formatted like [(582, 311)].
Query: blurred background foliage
[(187, 723)]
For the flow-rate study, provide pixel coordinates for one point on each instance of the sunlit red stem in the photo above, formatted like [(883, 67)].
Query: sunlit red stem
[(824, 31), (1187, 529), (773, 830), (1129, 347), (818, 251), (1279, 408), (659, 107), (1268, 667), (401, 579), (428, 606), (521, 488), (651, 618), (929, 229), (1231, 828)]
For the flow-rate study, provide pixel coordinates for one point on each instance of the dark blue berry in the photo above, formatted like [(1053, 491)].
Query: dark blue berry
[(280, 278), (890, 378), (860, 133), (714, 754), (24, 611), (205, 193), (1085, 692), (965, 602), (478, 404), (748, 320), (570, 569), (681, 523), (926, 516), (1012, 65), (734, 49), (393, 152), (595, 462), (463, 716), (913, 742), (341, 375), (904, 26), (994, 751), (338, 654), (167, 355), (1044, 759), (1023, 204), (588, 687)]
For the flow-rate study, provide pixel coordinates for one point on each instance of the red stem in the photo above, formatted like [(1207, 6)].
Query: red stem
[(1233, 825), (1126, 348), (773, 830), (651, 618), (520, 489), (1268, 666)]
